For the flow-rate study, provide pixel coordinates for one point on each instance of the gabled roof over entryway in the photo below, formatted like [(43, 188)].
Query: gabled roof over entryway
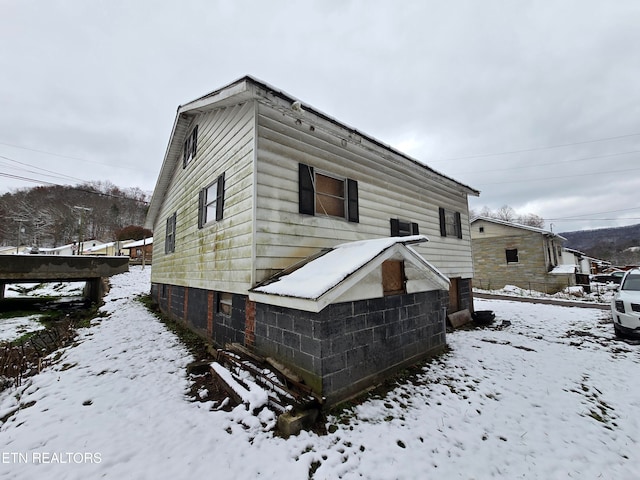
[(323, 279)]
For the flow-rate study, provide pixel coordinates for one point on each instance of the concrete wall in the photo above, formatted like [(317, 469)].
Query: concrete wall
[(349, 346), (339, 351), (198, 309)]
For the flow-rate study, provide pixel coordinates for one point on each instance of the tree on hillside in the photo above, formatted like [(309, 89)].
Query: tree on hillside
[(57, 215)]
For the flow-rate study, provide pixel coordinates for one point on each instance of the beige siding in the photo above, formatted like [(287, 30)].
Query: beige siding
[(283, 236), (218, 256)]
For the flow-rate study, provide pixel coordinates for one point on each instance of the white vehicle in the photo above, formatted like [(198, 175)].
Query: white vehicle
[(625, 305)]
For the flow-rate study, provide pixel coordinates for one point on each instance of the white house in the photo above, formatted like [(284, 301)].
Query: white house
[(258, 191)]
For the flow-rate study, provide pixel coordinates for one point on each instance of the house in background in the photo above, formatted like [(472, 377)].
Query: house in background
[(586, 265), (94, 247), (506, 253), (140, 251), (305, 239)]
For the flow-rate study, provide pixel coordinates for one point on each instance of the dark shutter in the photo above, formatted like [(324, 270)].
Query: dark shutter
[(305, 189), (443, 224), (194, 141), (167, 237), (352, 202), (201, 207), (458, 225), (220, 198), (395, 227), (185, 153), (414, 229), (173, 237)]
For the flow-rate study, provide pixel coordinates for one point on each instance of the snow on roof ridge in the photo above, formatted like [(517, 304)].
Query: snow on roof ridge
[(516, 225), (318, 276)]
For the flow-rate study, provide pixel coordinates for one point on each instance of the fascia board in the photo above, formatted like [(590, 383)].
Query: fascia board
[(306, 304)]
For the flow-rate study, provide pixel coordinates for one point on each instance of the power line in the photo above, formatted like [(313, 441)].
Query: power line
[(559, 177), (535, 149), (598, 213), (42, 151), (547, 163), (55, 174), (26, 179)]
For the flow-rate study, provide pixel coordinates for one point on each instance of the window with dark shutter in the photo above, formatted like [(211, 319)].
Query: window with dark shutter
[(403, 228), (450, 223), (190, 147), (321, 193), (170, 234)]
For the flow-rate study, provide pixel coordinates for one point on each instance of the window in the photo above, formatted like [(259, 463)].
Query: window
[(481, 229), (225, 302), (211, 202), (450, 223), (330, 195), (190, 147), (512, 255), (403, 228), (321, 193), (170, 234)]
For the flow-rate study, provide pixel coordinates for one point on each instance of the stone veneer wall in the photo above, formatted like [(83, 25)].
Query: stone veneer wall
[(349, 346), (491, 270)]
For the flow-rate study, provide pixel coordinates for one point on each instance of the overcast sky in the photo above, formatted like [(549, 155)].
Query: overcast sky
[(535, 104)]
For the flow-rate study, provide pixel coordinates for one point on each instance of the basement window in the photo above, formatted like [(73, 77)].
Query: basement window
[(225, 302), (512, 255)]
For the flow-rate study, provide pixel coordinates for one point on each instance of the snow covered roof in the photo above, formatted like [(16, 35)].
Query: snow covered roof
[(518, 225), (321, 280), (563, 269), (138, 243)]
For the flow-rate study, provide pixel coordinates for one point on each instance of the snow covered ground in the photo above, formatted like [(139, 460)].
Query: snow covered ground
[(600, 293), (551, 396), (12, 328)]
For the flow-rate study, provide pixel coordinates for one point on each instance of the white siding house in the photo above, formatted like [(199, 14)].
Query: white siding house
[(255, 182)]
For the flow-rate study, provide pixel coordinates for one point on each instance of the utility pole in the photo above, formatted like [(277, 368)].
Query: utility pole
[(80, 229), (20, 230)]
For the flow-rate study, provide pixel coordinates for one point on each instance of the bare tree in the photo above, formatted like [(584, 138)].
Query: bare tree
[(506, 213), (532, 220)]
